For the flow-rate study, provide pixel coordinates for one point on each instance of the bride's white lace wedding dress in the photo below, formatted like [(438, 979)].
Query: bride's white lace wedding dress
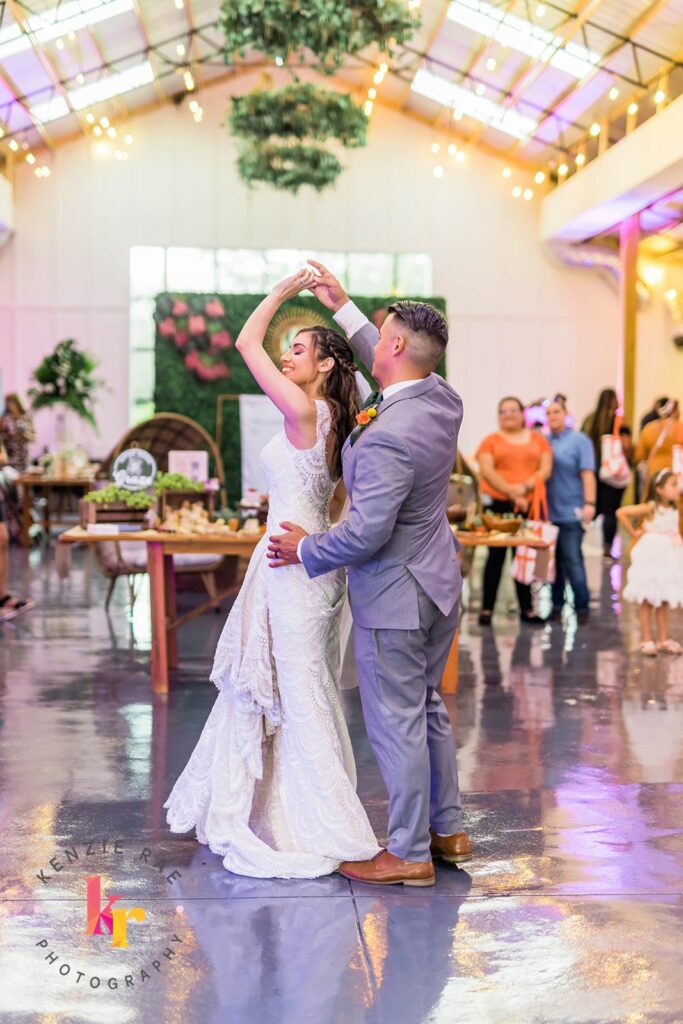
[(271, 784)]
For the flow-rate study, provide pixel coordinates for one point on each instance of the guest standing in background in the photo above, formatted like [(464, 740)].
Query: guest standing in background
[(17, 433), (653, 414), (571, 506), (654, 450), (595, 426), (510, 462)]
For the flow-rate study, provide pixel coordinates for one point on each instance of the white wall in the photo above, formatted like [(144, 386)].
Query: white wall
[(519, 323)]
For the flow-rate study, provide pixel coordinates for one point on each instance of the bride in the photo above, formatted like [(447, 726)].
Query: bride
[(271, 784)]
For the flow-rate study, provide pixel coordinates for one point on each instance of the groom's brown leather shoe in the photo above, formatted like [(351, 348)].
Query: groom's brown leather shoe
[(385, 869), (454, 849)]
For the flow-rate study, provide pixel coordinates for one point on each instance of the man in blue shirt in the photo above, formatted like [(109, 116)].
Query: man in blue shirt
[(571, 506)]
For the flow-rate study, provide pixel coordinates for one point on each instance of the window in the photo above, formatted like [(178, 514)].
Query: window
[(154, 269)]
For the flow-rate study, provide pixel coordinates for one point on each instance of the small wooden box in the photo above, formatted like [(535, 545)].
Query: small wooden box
[(172, 500), (110, 512)]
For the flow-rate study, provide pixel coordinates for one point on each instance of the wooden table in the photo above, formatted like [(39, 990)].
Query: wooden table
[(32, 483), (165, 622), (160, 550), (468, 539)]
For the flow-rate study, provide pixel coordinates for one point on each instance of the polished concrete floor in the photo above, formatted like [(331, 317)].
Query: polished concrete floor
[(571, 760)]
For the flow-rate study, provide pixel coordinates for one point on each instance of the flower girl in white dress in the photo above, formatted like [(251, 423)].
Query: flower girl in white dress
[(271, 784), (655, 576)]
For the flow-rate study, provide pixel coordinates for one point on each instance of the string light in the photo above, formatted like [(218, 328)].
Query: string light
[(367, 109), (90, 118), (80, 78), (595, 129), (460, 156), (179, 4), (516, 192), (72, 37), (491, 64), (632, 108), (42, 172), (436, 148), (111, 132), (60, 44), (580, 159), (507, 173), (104, 121), (120, 154), (372, 94), (457, 115), (652, 275), (180, 50), (438, 171), (528, 194), (541, 10), (128, 139), (660, 96), (539, 177), (613, 93), (30, 159), (279, 61), (672, 295), (97, 130), (562, 171), (14, 145), (188, 80), (480, 89), (452, 149)]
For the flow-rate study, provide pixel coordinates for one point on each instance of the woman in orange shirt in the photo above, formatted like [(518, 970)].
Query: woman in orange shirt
[(657, 440), (510, 462)]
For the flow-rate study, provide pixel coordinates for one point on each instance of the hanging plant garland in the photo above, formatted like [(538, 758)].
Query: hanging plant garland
[(288, 167), (299, 111), (330, 29)]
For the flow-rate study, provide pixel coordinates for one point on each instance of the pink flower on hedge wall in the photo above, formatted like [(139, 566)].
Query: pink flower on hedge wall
[(221, 339), (197, 325), (167, 328), (179, 308), (192, 360), (379, 316), (214, 307), (181, 338), (209, 373)]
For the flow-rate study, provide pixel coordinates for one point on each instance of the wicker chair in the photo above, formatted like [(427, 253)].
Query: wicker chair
[(165, 432)]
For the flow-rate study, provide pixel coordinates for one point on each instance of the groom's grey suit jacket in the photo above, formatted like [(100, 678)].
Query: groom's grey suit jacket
[(396, 536)]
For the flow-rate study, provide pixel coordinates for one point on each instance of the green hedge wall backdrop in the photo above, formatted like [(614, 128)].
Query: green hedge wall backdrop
[(196, 361)]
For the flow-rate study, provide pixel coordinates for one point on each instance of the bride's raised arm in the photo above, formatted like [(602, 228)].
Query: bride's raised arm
[(295, 405)]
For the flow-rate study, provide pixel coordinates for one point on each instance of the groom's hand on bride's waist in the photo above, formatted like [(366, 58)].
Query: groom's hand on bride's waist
[(283, 549)]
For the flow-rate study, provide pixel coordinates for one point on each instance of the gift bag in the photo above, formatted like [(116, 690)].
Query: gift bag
[(537, 565), (614, 468)]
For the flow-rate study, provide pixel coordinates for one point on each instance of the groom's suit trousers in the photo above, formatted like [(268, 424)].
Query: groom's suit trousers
[(408, 726)]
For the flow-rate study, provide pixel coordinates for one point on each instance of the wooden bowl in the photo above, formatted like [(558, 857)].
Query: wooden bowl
[(499, 525)]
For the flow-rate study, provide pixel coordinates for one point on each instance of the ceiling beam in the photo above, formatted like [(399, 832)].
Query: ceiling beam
[(534, 67), (638, 23), (16, 98), (159, 89), (43, 59)]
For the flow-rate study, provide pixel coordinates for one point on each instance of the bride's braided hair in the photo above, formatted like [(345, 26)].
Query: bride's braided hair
[(339, 389)]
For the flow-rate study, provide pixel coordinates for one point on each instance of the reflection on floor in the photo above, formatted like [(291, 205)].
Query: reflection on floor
[(571, 759)]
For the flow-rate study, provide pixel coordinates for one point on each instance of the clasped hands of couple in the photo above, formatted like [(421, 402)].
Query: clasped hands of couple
[(283, 548)]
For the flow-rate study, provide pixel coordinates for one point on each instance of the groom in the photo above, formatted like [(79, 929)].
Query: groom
[(404, 577)]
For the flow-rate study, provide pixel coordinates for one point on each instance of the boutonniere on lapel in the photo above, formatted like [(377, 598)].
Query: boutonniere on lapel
[(363, 419)]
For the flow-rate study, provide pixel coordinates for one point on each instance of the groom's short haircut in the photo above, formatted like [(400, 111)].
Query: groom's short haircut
[(427, 331)]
